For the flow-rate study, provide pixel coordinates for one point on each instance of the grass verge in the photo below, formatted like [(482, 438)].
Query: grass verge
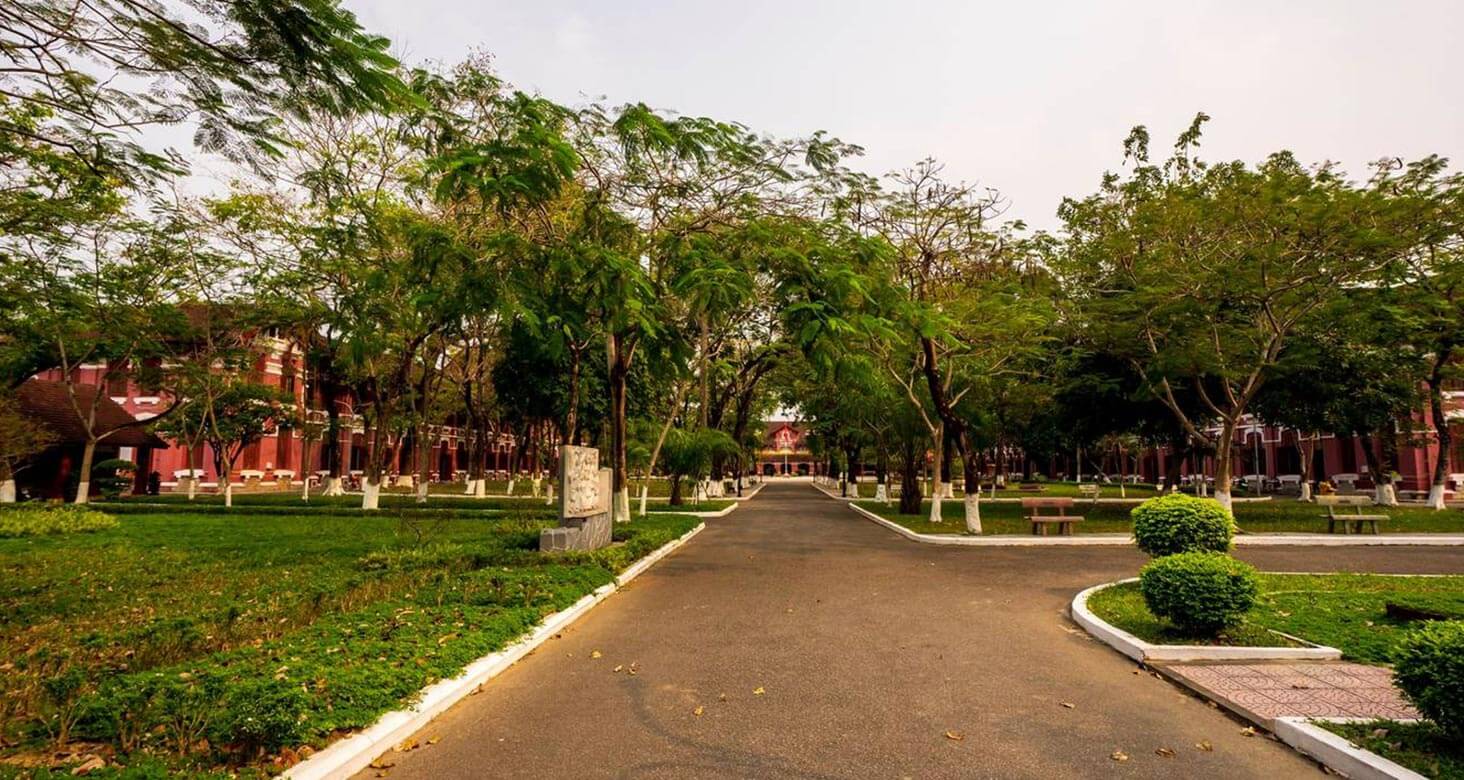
[(1345, 611), (1281, 516), (1418, 746), (200, 643)]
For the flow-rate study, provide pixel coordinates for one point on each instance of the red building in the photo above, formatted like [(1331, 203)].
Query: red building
[(785, 451)]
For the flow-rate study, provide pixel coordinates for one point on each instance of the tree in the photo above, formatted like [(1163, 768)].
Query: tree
[(1427, 216), (1201, 274), (689, 454), (962, 303), (237, 415)]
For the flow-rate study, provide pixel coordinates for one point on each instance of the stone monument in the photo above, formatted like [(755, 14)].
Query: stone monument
[(584, 503)]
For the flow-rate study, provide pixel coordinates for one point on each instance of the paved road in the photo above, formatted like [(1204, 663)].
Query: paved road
[(868, 648)]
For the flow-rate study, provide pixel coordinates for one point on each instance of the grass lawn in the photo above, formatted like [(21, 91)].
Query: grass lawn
[(1345, 611), (1280, 516), (1418, 746), (208, 641), (658, 488), (399, 501)]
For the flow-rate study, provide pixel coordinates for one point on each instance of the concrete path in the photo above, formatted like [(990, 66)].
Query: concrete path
[(870, 653)]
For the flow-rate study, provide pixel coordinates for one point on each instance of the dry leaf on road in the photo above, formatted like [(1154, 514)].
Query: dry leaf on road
[(955, 736), (1118, 755), (1164, 751)]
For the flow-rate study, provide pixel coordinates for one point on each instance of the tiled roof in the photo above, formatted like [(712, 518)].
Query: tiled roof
[(50, 403)]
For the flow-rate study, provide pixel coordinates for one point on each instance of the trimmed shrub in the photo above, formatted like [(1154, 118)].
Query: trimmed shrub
[(1429, 666), (1178, 523), (1201, 593), (51, 519)]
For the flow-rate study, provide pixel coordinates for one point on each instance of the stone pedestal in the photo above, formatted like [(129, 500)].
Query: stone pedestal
[(584, 503)]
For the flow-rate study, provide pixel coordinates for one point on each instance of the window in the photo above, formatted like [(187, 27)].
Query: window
[(287, 379)]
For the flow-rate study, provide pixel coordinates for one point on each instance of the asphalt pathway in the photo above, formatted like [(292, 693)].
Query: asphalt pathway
[(795, 639)]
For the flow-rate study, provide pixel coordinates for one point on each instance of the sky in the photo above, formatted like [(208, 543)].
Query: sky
[(1030, 98)]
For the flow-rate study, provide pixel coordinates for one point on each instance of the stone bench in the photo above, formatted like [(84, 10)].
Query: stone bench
[(1352, 523), (1033, 508)]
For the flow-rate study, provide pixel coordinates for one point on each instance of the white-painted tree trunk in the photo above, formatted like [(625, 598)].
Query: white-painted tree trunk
[(1306, 491), (853, 489), (949, 488), (1222, 497), (1436, 497), (370, 495), (510, 485), (228, 492), (305, 489), (935, 516), (192, 486), (7, 492), (549, 493), (422, 491), (644, 492), (472, 486), (538, 485), (83, 492), (620, 508), (881, 493), (1385, 494), (973, 513), (480, 490), (335, 486)]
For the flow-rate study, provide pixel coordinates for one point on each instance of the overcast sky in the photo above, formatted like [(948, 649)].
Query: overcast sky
[(1032, 98)]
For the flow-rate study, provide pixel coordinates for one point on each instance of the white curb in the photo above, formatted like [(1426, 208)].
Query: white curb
[(1142, 651), (1336, 753), (354, 753)]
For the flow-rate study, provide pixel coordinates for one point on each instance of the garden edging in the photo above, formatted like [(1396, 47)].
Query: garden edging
[(354, 753), (1144, 652), (1336, 752)]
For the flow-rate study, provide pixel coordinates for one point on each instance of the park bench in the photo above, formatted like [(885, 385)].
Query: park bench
[(1089, 492), (1352, 523), (1033, 508)]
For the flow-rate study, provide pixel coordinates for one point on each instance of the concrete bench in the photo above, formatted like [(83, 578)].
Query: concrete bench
[(1349, 523), (1033, 509)]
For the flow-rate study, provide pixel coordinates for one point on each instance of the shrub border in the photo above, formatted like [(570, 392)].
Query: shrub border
[(348, 756), (1336, 752), (1143, 652)]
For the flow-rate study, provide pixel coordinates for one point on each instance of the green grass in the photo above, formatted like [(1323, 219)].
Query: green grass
[(396, 502), (1279, 516), (1418, 746), (190, 618), (1345, 611)]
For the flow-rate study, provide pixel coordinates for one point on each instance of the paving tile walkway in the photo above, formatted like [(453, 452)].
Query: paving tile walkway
[(1266, 691)]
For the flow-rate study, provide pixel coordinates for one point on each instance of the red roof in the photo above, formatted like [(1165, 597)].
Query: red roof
[(49, 403)]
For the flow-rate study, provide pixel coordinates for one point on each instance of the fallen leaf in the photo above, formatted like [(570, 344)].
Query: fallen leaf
[(433, 740), (1068, 705), (1248, 731), (955, 736), (410, 744), (382, 763), (1118, 755), (1205, 746), (618, 667), (758, 691), (721, 697), (594, 653), (698, 711), (1164, 751)]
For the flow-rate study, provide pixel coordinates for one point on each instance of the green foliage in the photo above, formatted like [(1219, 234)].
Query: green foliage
[(51, 520), (1199, 592), (1429, 667), (1178, 523), (270, 632), (113, 477)]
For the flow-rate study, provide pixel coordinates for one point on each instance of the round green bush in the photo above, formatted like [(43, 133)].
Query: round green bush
[(1429, 666), (1178, 523), (1201, 593)]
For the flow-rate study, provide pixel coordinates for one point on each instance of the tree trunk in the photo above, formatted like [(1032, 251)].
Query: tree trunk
[(910, 480), (675, 499), (83, 487), (1444, 436), (619, 369), (1222, 466), (371, 493)]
